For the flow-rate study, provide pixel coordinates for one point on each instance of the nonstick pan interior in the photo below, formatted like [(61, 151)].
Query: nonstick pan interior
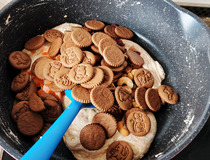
[(178, 39)]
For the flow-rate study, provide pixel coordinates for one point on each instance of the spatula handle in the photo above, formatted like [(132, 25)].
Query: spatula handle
[(45, 146)]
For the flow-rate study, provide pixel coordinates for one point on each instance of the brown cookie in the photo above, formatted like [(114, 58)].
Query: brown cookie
[(88, 58), (129, 111), (123, 32), (53, 87), (30, 123), (105, 42), (71, 56), (51, 68), (94, 48), (20, 81), (34, 43), (135, 58), (96, 37), (119, 150), (138, 123), (62, 79), (85, 28), (123, 98), (143, 78), (110, 30), (35, 103), (94, 24), (102, 98), (98, 57), (18, 109), (114, 69), (167, 94), (81, 94), (96, 79), (38, 68), (46, 126), (26, 93), (68, 41), (34, 64), (81, 73), (52, 112), (140, 97), (108, 76), (67, 36), (116, 111), (20, 60), (92, 136), (113, 56), (52, 34), (55, 47), (153, 100), (45, 96), (107, 121), (81, 37)]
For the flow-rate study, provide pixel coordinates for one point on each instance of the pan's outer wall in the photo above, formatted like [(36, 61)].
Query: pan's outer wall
[(179, 41)]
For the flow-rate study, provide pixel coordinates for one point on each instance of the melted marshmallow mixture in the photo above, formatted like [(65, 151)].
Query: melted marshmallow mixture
[(140, 145)]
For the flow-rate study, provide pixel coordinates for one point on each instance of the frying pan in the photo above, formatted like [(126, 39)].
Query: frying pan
[(176, 38)]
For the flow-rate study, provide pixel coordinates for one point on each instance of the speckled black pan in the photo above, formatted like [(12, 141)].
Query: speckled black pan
[(178, 39)]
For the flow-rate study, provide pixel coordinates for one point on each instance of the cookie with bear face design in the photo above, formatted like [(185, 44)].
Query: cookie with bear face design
[(81, 73)]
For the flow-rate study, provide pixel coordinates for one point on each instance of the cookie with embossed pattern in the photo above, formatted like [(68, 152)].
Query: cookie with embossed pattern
[(119, 150), (167, 94), (26, 93), (143, 78), (96, 79), (20, 81), (51, 68), (52, 34), (138, 123), (18, 109), (92, 136), (88, 58), (123, 98), (62, 79), (71, 56), (20, 60), (81, 73)]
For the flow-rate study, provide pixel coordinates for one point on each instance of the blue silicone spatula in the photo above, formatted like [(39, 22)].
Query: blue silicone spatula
[(45, 146)]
